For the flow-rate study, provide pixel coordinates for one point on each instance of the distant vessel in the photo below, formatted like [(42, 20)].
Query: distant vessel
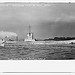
[(30, 35), (2, 42)]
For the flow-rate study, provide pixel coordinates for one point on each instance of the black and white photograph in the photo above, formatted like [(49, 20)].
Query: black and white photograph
[(37, 31)]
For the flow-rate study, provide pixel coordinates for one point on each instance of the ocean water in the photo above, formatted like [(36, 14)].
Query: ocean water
[(26, 51)]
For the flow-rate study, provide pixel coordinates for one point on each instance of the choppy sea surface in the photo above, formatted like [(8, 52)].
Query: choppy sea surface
[(27, 51)]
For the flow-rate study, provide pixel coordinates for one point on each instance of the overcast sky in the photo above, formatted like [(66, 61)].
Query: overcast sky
[(46, 21)]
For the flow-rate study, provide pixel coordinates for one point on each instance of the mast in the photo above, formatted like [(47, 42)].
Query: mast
[(29, 28)]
